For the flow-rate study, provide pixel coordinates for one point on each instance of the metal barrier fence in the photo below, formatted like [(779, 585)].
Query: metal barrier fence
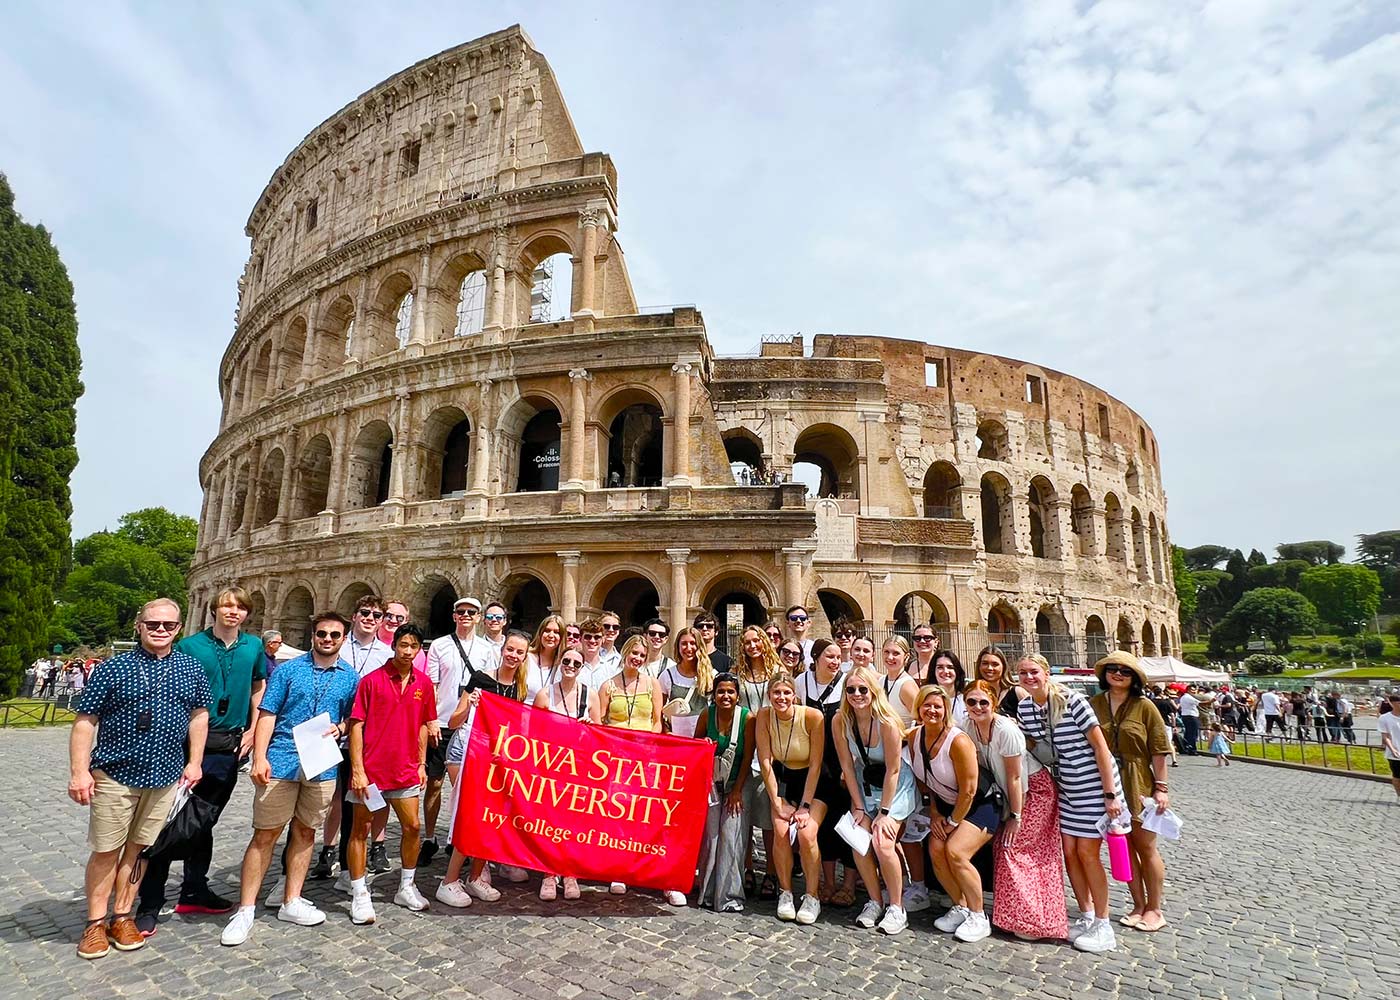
[(1366, 757), (33, 713)]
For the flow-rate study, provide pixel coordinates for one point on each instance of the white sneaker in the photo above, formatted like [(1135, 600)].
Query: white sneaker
[(869, 915), (482, 890), (810, 909), (361, 908), (514, 874), (240, 925), (675, 897), (410, 898), (453, 894), (278, 894), (301, 911), (786, 911), (549, 888), (617, 888), (916, 898), (951, 920), (571, 889), (896, 919), (1079, 925), (974, 928), (1098, 938)]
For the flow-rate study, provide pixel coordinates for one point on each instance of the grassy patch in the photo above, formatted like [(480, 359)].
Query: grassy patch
[(1303, 652), (1334, 755), (33, 712)]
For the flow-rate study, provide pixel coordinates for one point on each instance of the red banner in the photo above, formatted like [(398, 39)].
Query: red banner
[(552, 794)]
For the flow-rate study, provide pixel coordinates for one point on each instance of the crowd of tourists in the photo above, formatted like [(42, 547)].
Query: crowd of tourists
[(993, 775)]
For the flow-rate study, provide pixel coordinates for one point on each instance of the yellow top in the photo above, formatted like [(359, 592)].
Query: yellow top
[(630, 711), (790, 743)]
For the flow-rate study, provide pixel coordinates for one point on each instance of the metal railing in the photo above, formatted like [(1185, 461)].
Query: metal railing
[(33, 713), (1365, 756)]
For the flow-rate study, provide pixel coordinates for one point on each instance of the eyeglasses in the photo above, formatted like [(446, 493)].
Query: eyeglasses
[(923, 638), (367, 613), (396, 618), (573, 635), (653, 634), (612, 628), (495, 618), (977, 703), (162, 626), (571, 662), (592, 637), (797, 618), (327, 634), (774, 635), (858, 689), (468, 612)]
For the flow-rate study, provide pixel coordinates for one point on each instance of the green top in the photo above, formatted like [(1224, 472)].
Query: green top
[(231, 671), (723, 751)]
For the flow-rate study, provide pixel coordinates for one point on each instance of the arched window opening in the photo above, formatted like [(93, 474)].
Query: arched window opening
[(1117, 529), (527, 602), (1004, 630), (1095, 639), (471, 304), (292, 355), (1164, 647), (1044, 519), (345, 604), (634, 600), (440, 610), (539, 453), (942, 491), (403, 320), (992, 441), (262, 373), (254, 621), (836, 605), (1155, 541), (269, 488), (634, 447), (1140, 547), (1126, 639), (833, 453), (313, 478), (745, 454), (736, 602), (1132, 480), (456, 454), (1053, 637), (921, 608), (1082, 520), (371, 466), (443, 456), (240, 500), (1149, 640), (551, 289), (998, 524), (294, 620)]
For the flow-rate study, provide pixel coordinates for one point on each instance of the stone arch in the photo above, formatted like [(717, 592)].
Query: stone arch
[(269, 493), (547, 245), (1117, 525), (383, 315), (370, 466), (1043, 512), (294, 617), (1053, 637), (1140, 545), (1004, 629), (459, 292), (1149, 639), (942, 491), (919, 607), (998, 519), (254, 622), (1154, 538), (445, 455), (744, 450), (527, 599), (993, 442), (837, 604), (531, 444), (1125, 635), (345, 603), (1082, 520), (263, 375), (1165, 646), (833, 451), (1132, 479), (632, 594), (311, 493), (1095, 639), (292, 354), (432, 595), (731, 589), (335, 339), (630, 417)]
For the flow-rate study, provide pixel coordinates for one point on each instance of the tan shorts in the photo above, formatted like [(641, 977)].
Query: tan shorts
[(278, 801), (120, 815)]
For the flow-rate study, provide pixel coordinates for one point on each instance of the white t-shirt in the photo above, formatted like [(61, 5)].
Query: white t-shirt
[(1269, 701), (367, 656), (1390, 725), (1189, 706), (809, 689), (449, 674)]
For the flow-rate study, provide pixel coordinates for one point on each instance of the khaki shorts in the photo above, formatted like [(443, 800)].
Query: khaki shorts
[(279, 800), (120, 815)]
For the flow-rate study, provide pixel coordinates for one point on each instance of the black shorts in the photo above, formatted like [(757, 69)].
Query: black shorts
[(436, 762), (982, 815), (1394, 768)]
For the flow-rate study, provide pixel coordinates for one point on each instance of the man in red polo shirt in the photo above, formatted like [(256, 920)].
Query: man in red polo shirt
[(394, 706)]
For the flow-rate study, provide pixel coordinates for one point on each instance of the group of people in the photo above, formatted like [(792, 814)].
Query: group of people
[(1220, 710), (55, 677), (995, 776)]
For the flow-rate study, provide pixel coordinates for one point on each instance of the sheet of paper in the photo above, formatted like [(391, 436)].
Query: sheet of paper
[(374, 801), (1167, 824), (792, 833), (854, 834), (316, 751), (683, 725), (182, 795)]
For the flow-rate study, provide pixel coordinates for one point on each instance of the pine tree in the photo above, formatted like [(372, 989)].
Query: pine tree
[(39, 387)]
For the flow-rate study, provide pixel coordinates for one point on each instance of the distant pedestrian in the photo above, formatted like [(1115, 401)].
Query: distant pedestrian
[(1220, 746), (1345, 710), (1273, 716), (1189, 708)]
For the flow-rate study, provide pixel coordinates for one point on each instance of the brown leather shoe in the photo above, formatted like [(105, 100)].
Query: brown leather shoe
[(123, 934), (94, 941)]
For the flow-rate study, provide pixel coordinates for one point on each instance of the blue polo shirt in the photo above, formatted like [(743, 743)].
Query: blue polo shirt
[(231, 671), (300, 690), (134, 682)]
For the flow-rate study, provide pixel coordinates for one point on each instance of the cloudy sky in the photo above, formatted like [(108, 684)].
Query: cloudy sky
[(1193, 205)]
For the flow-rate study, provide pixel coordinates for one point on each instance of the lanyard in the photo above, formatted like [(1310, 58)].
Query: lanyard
[(318, 689)]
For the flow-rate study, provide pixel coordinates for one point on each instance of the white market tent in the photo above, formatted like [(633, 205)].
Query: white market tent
[(287, 652), (1166, 669)]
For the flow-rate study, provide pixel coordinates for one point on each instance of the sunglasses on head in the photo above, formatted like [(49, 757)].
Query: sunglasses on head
[(322, 633), (857, 689), (368, 613)]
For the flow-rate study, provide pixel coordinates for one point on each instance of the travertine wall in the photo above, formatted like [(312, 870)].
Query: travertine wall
[(394, 422)]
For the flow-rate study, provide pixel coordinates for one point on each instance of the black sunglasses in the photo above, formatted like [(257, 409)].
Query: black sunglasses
[(857, 690), (325, 634)]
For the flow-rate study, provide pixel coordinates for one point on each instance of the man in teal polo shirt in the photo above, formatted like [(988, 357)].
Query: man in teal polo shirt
[(236, 669)]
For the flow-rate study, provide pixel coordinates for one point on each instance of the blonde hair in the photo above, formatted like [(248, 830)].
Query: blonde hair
[(933, 691), (767, 652), (902, 643), (704, 670), (627, 647), (535, 646), (779, 679), (1057, 695), (879, 704)]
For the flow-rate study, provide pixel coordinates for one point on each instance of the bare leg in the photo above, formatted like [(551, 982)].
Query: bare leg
[(1087, 851), (407, 812), (1078, 880), (126, 891), (330, 830), (355, 851), (780, 856), (963, 843), (256, 860), (807, 844), (892, 869), (1149, 873), (381, 823), (432, 805), (97, 882), (938, 856), (299, 845)]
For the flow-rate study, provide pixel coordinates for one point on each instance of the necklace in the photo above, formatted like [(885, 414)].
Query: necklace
[(792, 725), (636, 693)]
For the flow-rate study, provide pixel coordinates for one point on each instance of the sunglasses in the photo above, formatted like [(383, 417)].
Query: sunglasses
[(797, 618), (396, 618), (495, 618), (923, 638), (977, 703), (571, 662), (468, 612), (651, 634), (858, 689), (1114, 668), (775, 636), (367, 613), (327, 634), (592, 637), (706, 626), (612, 628), (162, 626), (574, 635), (790, 653), (845, 635)]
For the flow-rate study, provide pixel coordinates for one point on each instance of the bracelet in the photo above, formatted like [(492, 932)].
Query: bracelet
[(805, 805), (1160, 786)]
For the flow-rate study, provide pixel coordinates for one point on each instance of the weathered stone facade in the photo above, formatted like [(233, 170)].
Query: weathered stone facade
[(394, 422)]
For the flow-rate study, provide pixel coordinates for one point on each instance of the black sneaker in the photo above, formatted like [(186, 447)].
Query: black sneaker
[(379, 859), (146, 923), (327, 865), (426, 853), (203, 901)]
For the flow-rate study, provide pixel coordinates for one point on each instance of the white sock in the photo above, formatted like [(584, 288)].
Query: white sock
[(357, 885), (1088, 916), (247, 909), (406, 877)]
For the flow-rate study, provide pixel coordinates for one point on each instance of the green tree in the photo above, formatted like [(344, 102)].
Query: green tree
[(1271, 612), (39, 389), (1256, 558), (1379, 549), (1239, 575), (1206, 557), (1317, 553), (1214, 597), (172, 535), (1185, 582), (1259, 664), (1284, 573), (1346, 595)]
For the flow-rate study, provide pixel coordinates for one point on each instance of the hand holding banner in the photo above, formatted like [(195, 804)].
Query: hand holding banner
[(550, 793)]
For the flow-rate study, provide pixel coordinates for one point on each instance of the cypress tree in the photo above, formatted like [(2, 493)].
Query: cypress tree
[(39, 388)]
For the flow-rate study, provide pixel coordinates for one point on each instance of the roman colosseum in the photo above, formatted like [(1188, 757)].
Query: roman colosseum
[(413, 405)]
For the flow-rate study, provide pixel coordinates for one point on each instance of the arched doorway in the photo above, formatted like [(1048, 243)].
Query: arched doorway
[(539, 452), (345, 604), (1004, 629), (1053, 637), (313, 478), (1044, 519), (837, 605), (371, 466), (634, 446), (942, 491), (922, 608), (998, 521), (445, 455), (254, 622), (294, 620), (634, 600), (1082, 520), (1095, 640), (1126, 639), (736, 602), (745, 453), (1149, 640), (527, 602), (833, 453)]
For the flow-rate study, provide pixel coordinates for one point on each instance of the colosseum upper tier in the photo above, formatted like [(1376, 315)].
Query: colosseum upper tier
[(401, 416)]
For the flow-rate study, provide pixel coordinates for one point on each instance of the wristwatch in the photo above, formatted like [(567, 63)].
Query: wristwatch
[(1015, 816), (884, 812), (805, 805), (952, 822)]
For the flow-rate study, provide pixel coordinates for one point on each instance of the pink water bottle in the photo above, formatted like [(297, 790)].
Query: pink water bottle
[(1120, 861)]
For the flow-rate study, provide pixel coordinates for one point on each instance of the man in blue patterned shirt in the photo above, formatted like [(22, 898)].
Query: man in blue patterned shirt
[(142, 705), (315, 683)]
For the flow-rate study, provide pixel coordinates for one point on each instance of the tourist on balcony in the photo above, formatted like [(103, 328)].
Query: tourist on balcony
[(897, 684), (925, 649), (570, 696), (820, 688), (869, 738), (1028, 862), (799, 623), (758, 663), (1139, 742), (1070, 742), (791, 743), (542, 667), (948, 675), (685, 684), (656, 632), (730, 727), (992, 668)]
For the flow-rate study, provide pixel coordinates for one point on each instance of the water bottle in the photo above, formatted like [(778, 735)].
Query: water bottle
[(1120, 859)]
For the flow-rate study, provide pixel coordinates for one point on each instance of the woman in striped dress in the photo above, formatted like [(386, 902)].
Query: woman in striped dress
[(1069, 741)]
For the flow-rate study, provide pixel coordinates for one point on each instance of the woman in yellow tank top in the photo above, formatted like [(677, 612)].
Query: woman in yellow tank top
[(632, 700)]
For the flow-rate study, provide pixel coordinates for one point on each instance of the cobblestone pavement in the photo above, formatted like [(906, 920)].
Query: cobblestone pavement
[(1285, 887)]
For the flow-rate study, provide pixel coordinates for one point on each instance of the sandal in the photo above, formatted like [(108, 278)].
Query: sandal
[(843, 897), (750, 881), (1146, 928), (768, 888), (1130, 919)]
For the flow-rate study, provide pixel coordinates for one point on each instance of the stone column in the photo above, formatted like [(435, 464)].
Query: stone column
[(793, 576), (569, 591), (311, 351), (289, 465), (496, 293), (1099, 517), (225, 524), (231, 410), (1063, 513), (250, 499), (355, 349), (481, 464), (971, 499), (399, 452), (680, 426), (340, 465), (680, 605), (588, 220), (578, 423), (418, 332), (203, 536), (274, 363)]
